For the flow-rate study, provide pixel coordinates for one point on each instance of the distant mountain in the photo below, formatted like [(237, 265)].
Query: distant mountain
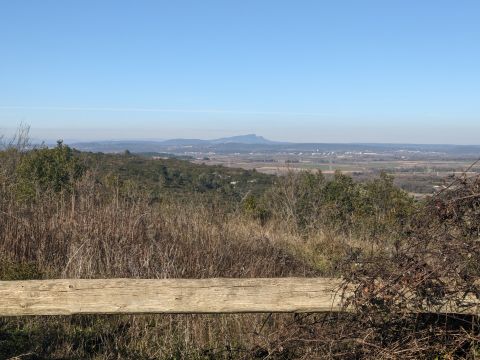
[(244, 139), (146, 146), (249, 139)]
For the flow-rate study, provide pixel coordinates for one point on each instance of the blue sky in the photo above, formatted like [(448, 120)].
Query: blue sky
[(325, 71)]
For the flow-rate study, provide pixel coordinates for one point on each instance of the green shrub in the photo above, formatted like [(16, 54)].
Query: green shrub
[(19, 271), (46, 169), (255, 209), (310, 203)]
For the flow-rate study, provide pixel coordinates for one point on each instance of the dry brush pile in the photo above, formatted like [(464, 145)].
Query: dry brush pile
[(409, 296)]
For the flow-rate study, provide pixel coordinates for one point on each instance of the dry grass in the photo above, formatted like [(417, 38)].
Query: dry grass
[(89, 237), (99, 234)]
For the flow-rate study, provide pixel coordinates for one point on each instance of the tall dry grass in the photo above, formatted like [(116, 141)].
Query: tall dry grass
[(94, 232)]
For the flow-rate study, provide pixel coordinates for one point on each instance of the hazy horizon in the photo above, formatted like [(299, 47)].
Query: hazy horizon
[(37, 138)]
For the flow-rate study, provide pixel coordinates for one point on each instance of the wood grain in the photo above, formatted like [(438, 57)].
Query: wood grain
[(132, 296)]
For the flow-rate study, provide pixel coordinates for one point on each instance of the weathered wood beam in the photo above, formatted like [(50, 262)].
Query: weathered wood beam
[(132, 296)]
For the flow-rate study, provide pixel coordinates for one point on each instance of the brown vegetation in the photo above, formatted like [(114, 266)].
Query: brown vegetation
[(91, 230), (433, 269), (62, 219)]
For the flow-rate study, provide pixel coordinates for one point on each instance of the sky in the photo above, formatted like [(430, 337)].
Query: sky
[(401, 71)]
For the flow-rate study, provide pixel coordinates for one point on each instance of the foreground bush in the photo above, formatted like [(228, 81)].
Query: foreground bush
[(434, 269)]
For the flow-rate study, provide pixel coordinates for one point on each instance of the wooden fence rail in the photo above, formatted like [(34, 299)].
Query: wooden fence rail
[(134, 296), (130, 296)]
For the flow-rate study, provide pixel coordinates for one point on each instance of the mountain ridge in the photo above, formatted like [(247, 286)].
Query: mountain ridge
[(248, 139)]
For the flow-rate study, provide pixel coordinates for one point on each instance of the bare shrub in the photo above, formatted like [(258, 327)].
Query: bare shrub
[(433, 269)]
